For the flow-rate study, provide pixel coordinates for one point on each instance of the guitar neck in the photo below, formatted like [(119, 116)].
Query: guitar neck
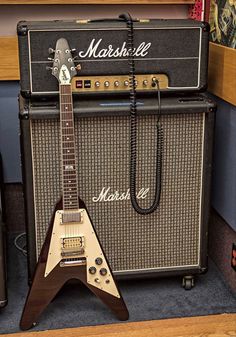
[(68, 149)]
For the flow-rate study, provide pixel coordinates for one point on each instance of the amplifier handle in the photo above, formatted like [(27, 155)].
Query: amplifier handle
[(111, 20)]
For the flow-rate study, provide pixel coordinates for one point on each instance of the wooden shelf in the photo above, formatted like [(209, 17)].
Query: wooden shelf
[(101, 2), (222, 72)]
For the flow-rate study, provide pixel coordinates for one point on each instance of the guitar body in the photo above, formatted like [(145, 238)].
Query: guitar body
[(81, 258)]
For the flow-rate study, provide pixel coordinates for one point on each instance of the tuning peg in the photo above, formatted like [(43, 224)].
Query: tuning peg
[(75, 58), (51, 50), (49, 68), (50, 59), (78, 67), (73, 50)]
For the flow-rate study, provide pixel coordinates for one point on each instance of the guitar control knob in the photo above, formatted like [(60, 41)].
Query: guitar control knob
[(98, 261), (97, 84), (92, 270), (145, 83), (126, 83), (106, 84), (103, 271), (116, 83)]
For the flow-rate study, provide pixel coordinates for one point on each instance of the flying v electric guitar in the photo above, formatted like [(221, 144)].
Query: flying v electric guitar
[(71, 248)]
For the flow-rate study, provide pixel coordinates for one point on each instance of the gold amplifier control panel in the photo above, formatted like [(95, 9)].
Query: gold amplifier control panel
[(118, 83)]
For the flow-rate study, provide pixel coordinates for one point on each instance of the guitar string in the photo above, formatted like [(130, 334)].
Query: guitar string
[(70, 190)]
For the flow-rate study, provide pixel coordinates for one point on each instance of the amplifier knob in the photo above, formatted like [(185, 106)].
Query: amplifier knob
[(116, 83), (97, 84), (145, 83), (126, 83), (106, 84)]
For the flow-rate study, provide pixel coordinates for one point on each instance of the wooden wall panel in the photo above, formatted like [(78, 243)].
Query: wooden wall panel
[(9, 63), (222, 72)]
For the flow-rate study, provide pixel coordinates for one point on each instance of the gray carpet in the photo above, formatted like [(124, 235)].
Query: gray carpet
[(148, 299)]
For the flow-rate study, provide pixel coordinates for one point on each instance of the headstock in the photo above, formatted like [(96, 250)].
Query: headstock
[(63, 63)]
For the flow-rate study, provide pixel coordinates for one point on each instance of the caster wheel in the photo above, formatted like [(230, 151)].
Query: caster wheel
[(188, 282)]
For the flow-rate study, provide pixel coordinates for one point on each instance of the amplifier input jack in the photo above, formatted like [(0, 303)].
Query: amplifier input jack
[(154, 81)]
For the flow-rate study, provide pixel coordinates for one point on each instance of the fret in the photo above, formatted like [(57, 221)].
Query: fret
[(71, 195), (68, 146), (68, 156), (68, 162), (71, 206), (65, 139), (68, 142), (70, 199), (71, 149), (70, 183), (66, 128)]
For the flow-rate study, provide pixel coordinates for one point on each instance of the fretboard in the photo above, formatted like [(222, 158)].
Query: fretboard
[(68, 149)]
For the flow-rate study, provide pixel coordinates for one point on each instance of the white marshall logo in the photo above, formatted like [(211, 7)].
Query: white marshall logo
[(94, 51), (106, 195)]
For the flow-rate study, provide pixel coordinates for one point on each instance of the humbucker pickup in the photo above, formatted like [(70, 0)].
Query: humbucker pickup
[(72, 246), (69, 217)]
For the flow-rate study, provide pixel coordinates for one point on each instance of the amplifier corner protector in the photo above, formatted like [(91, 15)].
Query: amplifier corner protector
[(24, 115), (22, 28)]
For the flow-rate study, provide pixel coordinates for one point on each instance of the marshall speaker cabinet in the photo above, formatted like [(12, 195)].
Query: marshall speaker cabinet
[(3, 293), (171, 240), (173, 51)]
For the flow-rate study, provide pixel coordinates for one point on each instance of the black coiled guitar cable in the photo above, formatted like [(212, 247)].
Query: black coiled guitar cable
[(133, 128)]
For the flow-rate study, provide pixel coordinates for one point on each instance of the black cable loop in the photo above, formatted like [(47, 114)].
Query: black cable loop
[(133, 128)]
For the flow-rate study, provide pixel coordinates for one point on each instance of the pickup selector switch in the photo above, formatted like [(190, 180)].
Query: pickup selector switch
[(103, 271), (98, 261), (92, 270)]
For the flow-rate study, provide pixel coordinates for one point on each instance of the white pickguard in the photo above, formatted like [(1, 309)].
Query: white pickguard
[(92, 250)]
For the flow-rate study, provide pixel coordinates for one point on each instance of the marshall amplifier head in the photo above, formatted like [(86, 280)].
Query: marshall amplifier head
[(171, 240), (173, 51)]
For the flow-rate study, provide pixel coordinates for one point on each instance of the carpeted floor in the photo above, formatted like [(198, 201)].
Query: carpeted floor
[(146, 299)]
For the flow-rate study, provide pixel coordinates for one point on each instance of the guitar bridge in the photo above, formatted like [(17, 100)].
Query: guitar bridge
[(73, 262)]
